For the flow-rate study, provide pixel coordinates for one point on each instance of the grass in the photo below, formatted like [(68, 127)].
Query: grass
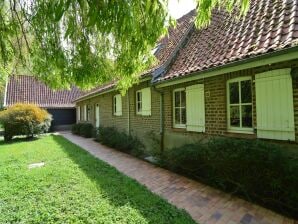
[(72, 187)]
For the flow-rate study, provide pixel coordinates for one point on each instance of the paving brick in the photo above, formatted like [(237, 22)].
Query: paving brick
[(203, 203)]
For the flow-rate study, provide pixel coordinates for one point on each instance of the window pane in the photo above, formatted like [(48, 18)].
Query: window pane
[(139, 96), (177, 99), (139, 106), (183, 116), (246, 91), (183, 98), (234, 92), (234, 116), (177, 116), (247, 116), (115, 103)]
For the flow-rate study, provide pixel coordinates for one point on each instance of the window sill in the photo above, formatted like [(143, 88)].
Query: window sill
[(237, 131), (179, 126)]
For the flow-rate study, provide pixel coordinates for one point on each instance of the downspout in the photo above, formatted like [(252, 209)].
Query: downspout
[(161, 118), (5, 93), (128, 113)]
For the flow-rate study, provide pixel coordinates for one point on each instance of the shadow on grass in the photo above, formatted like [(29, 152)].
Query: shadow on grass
[(16, 140), (122, 190)]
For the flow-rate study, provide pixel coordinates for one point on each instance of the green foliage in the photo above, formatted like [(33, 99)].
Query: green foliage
[(86, 130), (83, 129), (75, 128), (73, 187), (205, 7), (88, 43), (256, 170), (119, 140), (24, 119)]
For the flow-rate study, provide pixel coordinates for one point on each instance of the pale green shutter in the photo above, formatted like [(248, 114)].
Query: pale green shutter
[(146, 101), (118, 105), (78, 113), (274, 105), (195, 108), (85, 112)]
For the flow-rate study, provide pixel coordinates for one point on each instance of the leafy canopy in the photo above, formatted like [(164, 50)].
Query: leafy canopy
[(88, 42)]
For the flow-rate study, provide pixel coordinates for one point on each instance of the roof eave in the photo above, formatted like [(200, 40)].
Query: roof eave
[(256, 61), (104, 91)]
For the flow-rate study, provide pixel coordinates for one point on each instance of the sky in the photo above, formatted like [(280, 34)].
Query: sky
[(179, 8)]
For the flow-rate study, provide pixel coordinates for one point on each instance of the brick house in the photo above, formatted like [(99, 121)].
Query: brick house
[(27, 89), (233, 78)]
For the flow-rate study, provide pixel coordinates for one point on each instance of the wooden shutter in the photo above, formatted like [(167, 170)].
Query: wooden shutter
[(118, 105), (195, 108), (274, 105), (146, 101), (78, 113)]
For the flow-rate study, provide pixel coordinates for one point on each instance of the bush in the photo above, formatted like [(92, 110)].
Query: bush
[(86, 130), (83, 129), (111, 137), (24, 119), (75, 128), (257, 170)]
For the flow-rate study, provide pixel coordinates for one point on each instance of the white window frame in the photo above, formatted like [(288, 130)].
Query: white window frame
[(174, 114), (240, 129), (117, 111), (139, 112)]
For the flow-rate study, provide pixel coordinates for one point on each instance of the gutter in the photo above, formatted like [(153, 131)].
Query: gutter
[(111, 89), (128, 113), (5, 93), (260, 60), (162, 69)]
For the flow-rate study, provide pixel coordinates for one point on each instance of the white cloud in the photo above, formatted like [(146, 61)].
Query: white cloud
[(178, 8)]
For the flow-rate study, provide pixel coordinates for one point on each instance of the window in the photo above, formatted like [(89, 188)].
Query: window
[(117, 105), (179, 112), (143, 102), (240, 104), (139, 102), (88, 112)]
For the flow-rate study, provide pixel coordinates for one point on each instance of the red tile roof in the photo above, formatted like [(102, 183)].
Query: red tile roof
[(269, 25), (27, 89)]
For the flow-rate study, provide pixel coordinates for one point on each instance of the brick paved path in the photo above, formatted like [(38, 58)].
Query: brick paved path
[(203, 203)]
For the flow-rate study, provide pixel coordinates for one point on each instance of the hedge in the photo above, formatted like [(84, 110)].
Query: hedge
[(256, 170), (83, 129), (120, 140)]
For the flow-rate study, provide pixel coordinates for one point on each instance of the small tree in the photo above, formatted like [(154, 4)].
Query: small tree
[(24, 119)]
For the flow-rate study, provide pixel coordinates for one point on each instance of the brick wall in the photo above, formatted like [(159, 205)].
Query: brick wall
[(216, 106), (106, 116), (141, 126), (215, 109), (145, 126)]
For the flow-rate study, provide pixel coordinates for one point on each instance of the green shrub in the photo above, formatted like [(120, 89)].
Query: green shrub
[(75, 128), (83, 129), (24, 119), (257, 170), (86, 130), (111, 137)]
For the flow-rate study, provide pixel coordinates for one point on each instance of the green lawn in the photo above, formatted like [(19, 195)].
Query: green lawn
[(72, 187)]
